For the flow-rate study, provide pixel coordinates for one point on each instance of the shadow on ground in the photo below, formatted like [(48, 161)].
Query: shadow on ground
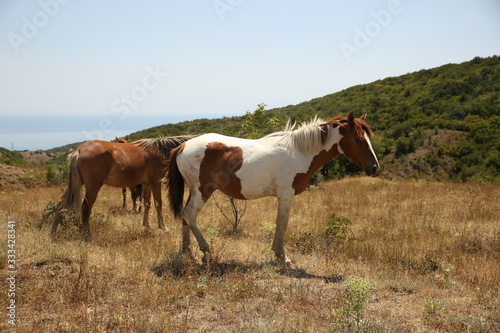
[(178, 265)]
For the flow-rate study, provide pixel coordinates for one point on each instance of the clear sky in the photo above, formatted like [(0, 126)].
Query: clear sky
[(222, 57)]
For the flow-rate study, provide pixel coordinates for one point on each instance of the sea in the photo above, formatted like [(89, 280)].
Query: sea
[(43, 132)]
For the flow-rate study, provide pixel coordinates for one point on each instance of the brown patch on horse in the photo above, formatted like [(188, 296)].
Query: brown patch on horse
[(218, 170), (301, 180)]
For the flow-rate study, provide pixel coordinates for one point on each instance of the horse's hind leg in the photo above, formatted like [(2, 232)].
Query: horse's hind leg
[(88, 202), (158, 204), (190, 212), (124, 193), (146, 192)]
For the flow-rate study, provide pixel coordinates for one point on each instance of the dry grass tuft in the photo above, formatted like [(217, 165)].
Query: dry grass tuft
[(431, 252)]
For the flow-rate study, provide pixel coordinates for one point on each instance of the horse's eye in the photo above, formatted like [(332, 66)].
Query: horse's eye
[(358, 140)]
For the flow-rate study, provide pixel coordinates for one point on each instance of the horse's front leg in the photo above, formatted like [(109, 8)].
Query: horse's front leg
[(284, 206)]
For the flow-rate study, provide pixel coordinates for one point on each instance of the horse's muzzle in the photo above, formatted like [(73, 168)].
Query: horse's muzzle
[(371, 169)]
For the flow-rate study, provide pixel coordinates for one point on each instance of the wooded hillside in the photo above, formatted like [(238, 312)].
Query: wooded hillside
[(440, 123)]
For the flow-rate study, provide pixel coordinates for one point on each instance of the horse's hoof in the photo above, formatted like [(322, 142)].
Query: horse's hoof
[(283, 262), (163, 228), (206, 259)]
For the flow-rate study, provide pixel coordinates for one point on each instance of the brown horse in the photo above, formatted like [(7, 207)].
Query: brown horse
[(96, 163)]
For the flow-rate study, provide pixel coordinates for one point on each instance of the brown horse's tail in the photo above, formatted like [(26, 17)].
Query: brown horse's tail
[(175, 182), (72, 196)]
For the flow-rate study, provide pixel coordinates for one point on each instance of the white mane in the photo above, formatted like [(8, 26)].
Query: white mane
[(306, 138)]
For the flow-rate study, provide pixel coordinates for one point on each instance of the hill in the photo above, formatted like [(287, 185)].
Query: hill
[(440, 123), (13, 158), (435, 124)]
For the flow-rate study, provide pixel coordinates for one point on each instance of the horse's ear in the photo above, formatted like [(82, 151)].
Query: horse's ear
[(350, 119), (363, 117)]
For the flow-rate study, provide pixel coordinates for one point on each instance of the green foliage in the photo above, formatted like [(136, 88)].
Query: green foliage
[(258, 123), (70, 221), (336, 233), (463, 97), (33, 177), (434, 305), (11, 158), (338, 229), (357, 292), (50, 175), (350, 316)]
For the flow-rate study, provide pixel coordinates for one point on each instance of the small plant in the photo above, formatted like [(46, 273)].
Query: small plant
[(338, 229), (269, 228), (33, 178), (306, 243), (423, 266), (212, 231), (237, 207), (237, 292), (50, 175), (278, 293), (356, 293), (447, 269), (69, 220), (65, 218), (201, 287), (434, 305)]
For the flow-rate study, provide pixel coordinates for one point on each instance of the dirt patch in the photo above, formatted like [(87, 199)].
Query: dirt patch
[(37, 156), (11, 176)]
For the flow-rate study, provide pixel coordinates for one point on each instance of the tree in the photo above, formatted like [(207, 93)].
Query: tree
[(258, 123)]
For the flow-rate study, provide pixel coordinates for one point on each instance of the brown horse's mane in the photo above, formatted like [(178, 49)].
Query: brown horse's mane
[(162, 145)]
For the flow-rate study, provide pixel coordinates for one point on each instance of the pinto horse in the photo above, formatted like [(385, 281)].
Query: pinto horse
[(279, 164), (95, 163)]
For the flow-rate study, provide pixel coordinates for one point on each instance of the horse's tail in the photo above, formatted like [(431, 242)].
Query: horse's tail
[(175, 182), (72, 196)]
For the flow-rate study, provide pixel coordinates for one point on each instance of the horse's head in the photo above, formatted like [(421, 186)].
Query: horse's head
[(355, 142)]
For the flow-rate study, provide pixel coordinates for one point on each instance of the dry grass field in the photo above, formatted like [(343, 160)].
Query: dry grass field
[(428, 255)]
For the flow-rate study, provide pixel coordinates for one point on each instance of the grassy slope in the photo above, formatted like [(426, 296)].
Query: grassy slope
[(431, 251)]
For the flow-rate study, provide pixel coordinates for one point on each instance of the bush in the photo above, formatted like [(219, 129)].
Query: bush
[(350, 317), (338, 229)]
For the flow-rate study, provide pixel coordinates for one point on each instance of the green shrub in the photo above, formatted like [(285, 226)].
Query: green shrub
[(350, 317)]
